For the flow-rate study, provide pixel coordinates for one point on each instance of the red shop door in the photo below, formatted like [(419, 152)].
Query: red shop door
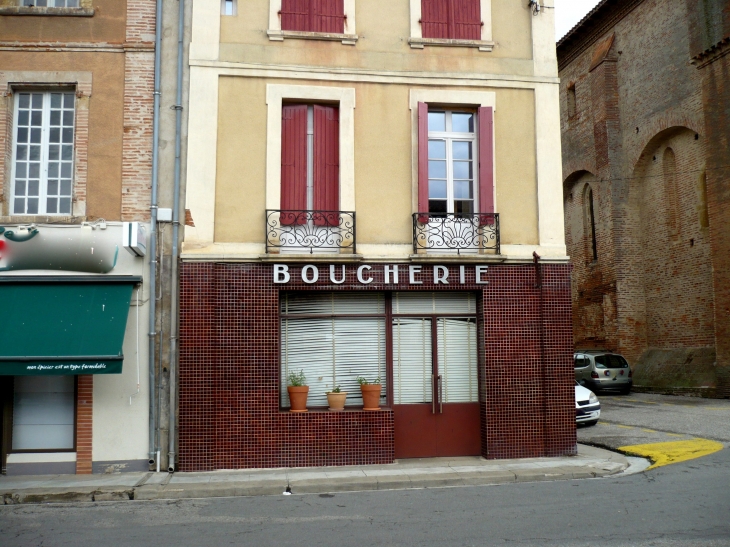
[(435, 387)]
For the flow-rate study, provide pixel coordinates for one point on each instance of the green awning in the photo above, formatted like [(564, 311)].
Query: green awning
[(63, 324)]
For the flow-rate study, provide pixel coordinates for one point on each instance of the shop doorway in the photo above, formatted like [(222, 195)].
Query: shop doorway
[(435, 375)]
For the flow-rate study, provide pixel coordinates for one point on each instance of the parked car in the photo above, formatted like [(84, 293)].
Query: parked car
[(587, 406), (599, 370)]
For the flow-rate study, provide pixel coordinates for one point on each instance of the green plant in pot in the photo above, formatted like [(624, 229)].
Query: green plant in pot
[(370, 393), (298, 391), (336, 399)]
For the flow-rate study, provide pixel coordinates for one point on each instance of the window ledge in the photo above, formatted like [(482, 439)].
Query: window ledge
[(279, 35), (62, 12), (419, 43)]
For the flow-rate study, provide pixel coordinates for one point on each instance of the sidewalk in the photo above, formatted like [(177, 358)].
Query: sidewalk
[(417, 473)]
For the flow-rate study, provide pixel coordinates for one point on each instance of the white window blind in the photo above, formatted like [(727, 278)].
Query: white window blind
[(412, 361), (43, 413), (457, 360), (332, 350), (434, 302)]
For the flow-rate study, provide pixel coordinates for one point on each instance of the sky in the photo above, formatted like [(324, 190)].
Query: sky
[(569, 12)]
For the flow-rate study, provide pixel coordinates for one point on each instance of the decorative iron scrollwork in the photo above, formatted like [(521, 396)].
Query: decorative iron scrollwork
[(324, 231), (464, 232)]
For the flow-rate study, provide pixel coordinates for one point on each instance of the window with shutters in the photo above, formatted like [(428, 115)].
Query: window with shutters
[(451, 23), (313, 19)]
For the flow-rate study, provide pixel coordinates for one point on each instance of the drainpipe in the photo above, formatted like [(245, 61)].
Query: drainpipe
[(153, 237), (174, 297)]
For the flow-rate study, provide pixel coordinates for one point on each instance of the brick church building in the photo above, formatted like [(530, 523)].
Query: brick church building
[(644, 118)]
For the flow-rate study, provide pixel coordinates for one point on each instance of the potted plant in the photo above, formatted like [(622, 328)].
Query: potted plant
[(336, 399), (298, 391), (370, 393)]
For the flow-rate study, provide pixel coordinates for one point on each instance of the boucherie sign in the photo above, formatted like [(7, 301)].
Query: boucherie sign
[(413, 274)]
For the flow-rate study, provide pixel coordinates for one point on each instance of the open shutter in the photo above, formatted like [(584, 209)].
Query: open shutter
[(435, 18), (486, 164), (326, 164), (294, 163), (328, 16), (423, 162), (467, 19), (296, 15)]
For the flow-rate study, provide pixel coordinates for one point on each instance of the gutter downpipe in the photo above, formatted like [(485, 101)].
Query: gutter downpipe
[(153, 440), (175, 285)]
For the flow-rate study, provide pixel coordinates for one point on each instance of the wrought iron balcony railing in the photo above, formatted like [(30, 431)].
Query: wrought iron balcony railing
[(463, 232), (321, 231)]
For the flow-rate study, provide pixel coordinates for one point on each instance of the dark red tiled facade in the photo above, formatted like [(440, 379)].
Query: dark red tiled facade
[(229, 369)]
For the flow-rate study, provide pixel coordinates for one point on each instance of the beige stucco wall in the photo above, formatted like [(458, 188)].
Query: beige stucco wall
[(384, 185)]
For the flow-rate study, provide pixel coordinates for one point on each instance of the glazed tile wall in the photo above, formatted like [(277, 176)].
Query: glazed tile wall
[(229, 370)]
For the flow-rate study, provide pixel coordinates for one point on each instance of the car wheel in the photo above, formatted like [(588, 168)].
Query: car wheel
[(593, 422)]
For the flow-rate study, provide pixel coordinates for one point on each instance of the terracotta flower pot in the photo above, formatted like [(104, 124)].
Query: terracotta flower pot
[(336, 401), (298, 398), (371, 396)]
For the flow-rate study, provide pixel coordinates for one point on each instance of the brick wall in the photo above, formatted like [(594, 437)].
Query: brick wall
[(84, 423), (229, 372)]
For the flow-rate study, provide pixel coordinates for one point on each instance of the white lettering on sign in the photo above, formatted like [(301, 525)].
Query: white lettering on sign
[(315, 275), (332, 275), (338, 275), (281, 273), (360, 277), (440, 275)]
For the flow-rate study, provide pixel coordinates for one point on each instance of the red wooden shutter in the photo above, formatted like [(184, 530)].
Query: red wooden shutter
[(326, 164), (435, 18), (296, 15), (467, 19), (486, 164), (423, 162), (328, 16), (293, 163)]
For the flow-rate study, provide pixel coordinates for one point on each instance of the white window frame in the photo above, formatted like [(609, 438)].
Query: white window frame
[(44, 160), (349, 37), (417, 41), (345, 98), (234, 7)]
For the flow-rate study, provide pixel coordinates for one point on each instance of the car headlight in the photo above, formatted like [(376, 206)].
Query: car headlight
[(592, 399)]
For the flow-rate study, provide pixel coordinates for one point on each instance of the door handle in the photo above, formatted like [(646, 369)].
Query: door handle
[(433, 399), (441, 395)]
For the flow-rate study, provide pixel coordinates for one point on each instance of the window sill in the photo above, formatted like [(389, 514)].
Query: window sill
[(61, 12), (325, 410), (419, 43), (279, 35)]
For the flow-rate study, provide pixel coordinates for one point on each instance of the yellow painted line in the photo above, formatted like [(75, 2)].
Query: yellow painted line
[(648, 430), (674, 451), (674, 435), (625, 426)]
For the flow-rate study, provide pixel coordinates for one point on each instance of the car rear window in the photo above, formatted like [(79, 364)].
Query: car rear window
[(611, 361), (579, 362)]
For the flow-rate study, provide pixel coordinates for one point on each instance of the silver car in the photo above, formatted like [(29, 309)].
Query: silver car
[(599, 370)]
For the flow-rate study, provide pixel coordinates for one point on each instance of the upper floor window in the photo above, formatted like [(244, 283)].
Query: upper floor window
[(43, 153), (229, 7), (327, 16), (451, 19), (50, 3)]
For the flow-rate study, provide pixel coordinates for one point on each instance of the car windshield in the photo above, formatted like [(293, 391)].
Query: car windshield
[(611, 361)]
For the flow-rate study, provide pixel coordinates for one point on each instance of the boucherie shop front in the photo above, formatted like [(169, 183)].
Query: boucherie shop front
[(473, 359)]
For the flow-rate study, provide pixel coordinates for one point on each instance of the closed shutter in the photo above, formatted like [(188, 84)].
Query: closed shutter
[(326, 164), (332, 350), (434, 302), (467, 19), (412, 361), (329, 16), (294, 163), (423, 162), (435, 18), (486, 164), (43, 413), (457, 360), (296, 15)]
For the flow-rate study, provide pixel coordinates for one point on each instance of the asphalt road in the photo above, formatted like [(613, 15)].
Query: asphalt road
[(680, 505)]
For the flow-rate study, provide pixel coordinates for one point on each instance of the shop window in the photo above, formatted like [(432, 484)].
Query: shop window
[(229, 7), (43, 153), (310, 163), (456, 162), (333, 338), (43, 413), (451, 19), (326, 16)]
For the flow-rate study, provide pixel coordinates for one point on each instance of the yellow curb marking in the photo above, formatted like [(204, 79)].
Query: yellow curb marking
[(674, 451)]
